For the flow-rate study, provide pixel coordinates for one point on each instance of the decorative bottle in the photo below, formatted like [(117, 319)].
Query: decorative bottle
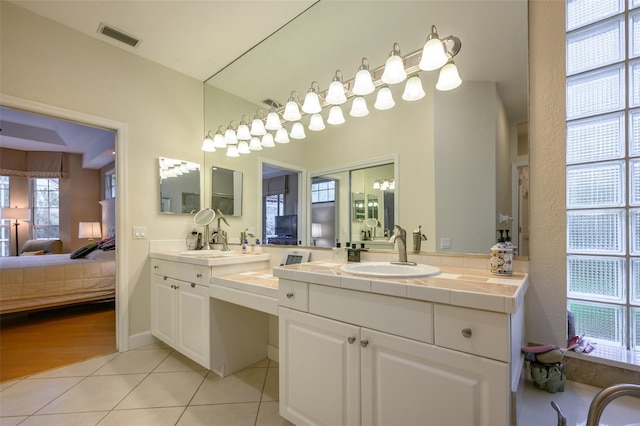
[(501, 261)]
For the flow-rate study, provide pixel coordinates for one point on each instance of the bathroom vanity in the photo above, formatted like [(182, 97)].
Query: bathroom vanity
[(441, 350)]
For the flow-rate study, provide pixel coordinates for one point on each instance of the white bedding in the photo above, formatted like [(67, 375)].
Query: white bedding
[(34, 282)]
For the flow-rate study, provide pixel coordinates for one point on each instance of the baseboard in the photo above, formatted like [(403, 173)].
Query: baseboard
[(273, 353), (141, 339)]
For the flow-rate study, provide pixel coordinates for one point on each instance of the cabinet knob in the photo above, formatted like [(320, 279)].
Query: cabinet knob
[(290, 295), (155, 266), (198, 275), (364, 343), (193, 285), (165, 278), (351, 340), (466, 332)]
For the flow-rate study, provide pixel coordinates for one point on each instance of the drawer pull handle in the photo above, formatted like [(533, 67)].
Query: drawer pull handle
[(165, 278), (198, 275), (193, 285), (155, 266), (351, 340), (466, 332), (290, 295), (364, 343)]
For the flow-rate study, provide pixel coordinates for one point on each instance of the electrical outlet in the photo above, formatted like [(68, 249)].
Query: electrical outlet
[(445, 243), (139, 232)]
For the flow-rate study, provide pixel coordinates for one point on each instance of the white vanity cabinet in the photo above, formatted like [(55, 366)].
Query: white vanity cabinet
[(350, 357), (180, 309)]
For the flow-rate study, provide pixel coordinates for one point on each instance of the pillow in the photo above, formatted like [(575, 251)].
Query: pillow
[(33, 253), (84, 250)]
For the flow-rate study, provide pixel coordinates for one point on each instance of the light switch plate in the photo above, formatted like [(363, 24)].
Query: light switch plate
[(445, 243), (139, 232)]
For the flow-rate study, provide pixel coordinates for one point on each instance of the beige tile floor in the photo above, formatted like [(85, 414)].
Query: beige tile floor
[(157, 386), (153, 386)]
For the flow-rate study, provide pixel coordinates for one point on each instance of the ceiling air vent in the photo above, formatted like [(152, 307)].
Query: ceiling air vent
[(117, 34), (271, 103)]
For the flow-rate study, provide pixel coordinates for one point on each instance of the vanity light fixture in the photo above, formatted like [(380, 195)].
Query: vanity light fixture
[(312, 100), (394, 71), (413, 90), (254, 144), (336, 94), (243, 133), (384, 99), (281, 136), (434, 52), (267, 141), (208, 145), (232, 151), (273, 121), (359, 107), (449, 78), (257, 126), (297, 131), (384, 184), (243, 147), (230, 137), (291, 110), (363, 84), (316, 123), (335, 116)]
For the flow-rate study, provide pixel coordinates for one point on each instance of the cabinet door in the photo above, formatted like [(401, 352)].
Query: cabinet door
[(319, 370), (412, 383), (193, 322), (163, 312)]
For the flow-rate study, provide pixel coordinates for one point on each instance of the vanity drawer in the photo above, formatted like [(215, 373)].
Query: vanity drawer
[(473, 331), (181, 271), (402, 317), (293, 294)]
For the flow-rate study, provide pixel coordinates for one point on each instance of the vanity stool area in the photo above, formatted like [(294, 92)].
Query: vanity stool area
[(351, 349)]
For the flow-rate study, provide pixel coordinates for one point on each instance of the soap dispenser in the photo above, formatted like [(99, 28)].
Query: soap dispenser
[(501, 261), (418, 238)]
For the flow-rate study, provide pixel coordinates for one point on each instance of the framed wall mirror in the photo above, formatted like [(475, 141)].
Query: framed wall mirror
[(226, 191), (179, 186)]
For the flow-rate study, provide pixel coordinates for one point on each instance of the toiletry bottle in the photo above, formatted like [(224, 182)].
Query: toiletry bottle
[(258, 247), (338, 253), (245, 246), (501, 261)]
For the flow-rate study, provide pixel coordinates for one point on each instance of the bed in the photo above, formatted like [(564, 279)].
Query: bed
[(54, 280)]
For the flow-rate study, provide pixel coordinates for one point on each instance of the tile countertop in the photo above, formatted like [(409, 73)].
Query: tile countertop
[(226, 258), (470, 288), (257, 282)]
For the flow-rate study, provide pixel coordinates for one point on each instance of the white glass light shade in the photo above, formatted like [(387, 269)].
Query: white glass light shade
[(297, 131), (208, 145), (449, 78), (359, 107), (232, 151), (257, 127), (433, 55), (384, 100), (316, 123), (291, 111), (311, 103), (218, 140), (282, 136), (413, 90), (254, 144), (335, 116), (243, 147), (89, 230), (267, 141), (363, 84), (376, 184), (243, 132), (230, 136), (15, 213), (394, 70), (335, 94), (273, 121)]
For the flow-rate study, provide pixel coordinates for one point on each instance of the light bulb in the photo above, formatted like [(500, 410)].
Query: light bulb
[(267, 141), (335, 116), (413, 90), (297, 131), (384, 100), (394, 68), (273, 121), (232, 151), (449, 78), (254, 144), (363, 84), (359, 107), (282, 136), (316, 123), (433, 53), (335, 94)]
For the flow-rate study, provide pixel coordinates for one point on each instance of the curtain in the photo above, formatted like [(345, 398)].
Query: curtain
[(275, 185), (33, 164)]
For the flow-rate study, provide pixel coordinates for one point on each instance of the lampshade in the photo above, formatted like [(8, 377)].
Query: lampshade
[(207, 144), (316, 230), (384, 100), (335, 94), (273, 121), (316, 123), (15, 213), (291, 110), (359, 107), (257, 127), (89, 230), (254, 144), (267, 141), (394, 68), (297, 131), (335, 116), (363, 84), (230, 136), (243, 147), (312, 100), (218, 140), (433, 53), (243, 133), (281, 136), (449, 78), (232, 151), (413, 90)]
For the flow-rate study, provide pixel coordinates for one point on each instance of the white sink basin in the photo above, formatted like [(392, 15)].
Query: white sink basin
[(391, 270)]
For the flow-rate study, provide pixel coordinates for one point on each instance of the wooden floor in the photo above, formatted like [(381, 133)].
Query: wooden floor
[(39, 341)]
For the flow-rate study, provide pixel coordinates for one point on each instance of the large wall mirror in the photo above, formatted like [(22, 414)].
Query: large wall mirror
[(460, 154), (179, 186)]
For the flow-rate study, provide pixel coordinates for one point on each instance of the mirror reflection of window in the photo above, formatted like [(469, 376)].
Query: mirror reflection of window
[(324, 211)]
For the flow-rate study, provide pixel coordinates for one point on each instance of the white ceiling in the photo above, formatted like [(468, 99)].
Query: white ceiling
[(199, 38)]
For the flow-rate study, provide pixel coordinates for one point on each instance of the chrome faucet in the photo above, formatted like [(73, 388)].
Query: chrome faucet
[(605, 396), (400, 235)]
